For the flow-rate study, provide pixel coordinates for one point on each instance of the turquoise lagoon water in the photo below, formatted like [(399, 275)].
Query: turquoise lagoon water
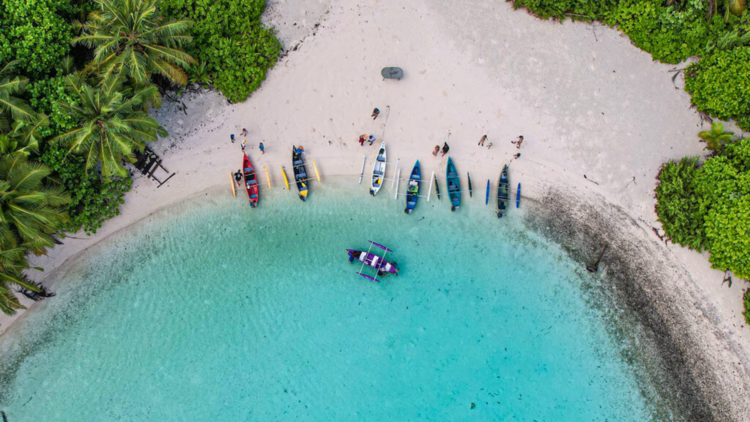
[(212, 311)]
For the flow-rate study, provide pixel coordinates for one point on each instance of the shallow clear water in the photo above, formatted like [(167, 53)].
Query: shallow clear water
[(213, 311)]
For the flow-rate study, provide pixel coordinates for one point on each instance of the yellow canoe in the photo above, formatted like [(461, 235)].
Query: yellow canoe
[(316, 171), (286, 180), (231, 182)]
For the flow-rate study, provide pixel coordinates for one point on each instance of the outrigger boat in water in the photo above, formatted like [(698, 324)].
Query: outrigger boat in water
[(300, 174), (378, 171), (503, 193), (379, 263), (454, 185), (251, 182), (412, 189)]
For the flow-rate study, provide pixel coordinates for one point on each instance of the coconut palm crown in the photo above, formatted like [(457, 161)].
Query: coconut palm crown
[(132, 38), (29, 209), (10, 105), (111, 122)]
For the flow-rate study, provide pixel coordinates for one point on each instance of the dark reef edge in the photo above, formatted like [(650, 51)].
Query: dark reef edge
[(648, 301)]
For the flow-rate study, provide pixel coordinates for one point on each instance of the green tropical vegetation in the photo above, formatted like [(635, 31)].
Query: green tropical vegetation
[(706, 206), (77, 80), (701, 205), (234, 50)]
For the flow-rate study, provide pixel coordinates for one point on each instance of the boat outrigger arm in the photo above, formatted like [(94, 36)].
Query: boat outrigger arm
[(382, 260)]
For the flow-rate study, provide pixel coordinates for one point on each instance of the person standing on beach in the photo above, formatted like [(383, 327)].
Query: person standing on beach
[(262, 148), (437, 149), (371, 139), (518, 142), (446, 148), (375, 114), (244, 144), (362, 140), (244, 132), (231, 137), (481, 141), (517, 156), (490, 146)]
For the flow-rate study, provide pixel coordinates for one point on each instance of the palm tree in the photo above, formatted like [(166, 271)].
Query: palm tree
[(716, 138), (132, 38), (29, 210), (111, 122), (10, 105), (12, 264)]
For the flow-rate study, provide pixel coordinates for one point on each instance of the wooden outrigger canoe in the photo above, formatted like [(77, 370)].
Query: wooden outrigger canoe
[(412, 188)]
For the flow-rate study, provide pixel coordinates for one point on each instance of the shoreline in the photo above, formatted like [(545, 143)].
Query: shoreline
[(469, 73)]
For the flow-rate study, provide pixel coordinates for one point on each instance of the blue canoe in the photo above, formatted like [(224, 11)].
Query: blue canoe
[(412, 188), (503, 193), (454, 185), (518, 196)]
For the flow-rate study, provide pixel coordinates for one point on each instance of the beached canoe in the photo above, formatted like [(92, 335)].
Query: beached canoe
[(518, 196), (503, 192), (373, 261), (300, 174), (378, 171), (412, 188), (454, 185), (251, 182)]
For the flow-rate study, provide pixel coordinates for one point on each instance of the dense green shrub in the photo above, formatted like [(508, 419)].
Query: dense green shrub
[(709, 207), (573, 9), (719, 85), (37, 33), (723, 185), (230, 41), (670, 33), (679, 212), (94, 199), (746, 301), (44, 93)]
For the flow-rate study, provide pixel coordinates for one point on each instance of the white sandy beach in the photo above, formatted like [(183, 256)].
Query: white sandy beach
[(586, 101)]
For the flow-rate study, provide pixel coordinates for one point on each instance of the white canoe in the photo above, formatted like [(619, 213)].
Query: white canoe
[(378, 171)]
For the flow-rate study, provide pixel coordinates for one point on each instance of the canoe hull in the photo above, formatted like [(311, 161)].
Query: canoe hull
[(300, 173), (412, 188), (251, 181), (503, 193), (378, 170), (373, 261), (454, 185)]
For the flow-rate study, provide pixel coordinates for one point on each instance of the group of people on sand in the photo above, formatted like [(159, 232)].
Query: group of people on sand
[(243, 144), (481, 142), (369, 138)]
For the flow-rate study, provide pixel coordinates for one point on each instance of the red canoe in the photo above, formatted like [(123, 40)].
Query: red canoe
[(251, 183)]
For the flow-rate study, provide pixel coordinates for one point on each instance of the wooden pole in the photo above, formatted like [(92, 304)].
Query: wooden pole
[(429, 192)]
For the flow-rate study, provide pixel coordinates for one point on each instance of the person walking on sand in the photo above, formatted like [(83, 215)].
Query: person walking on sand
[(262, 148), (517, 156), (481, 141), (244, 144), (446, 148), (238, 177), (231, 137), (518, 142), (437, 149), (375, 114), (371, 139), (244, 132), (490, 146), (362, 140)]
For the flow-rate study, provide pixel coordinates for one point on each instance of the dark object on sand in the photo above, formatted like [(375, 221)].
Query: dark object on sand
[(594, 268), (392, 73)]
